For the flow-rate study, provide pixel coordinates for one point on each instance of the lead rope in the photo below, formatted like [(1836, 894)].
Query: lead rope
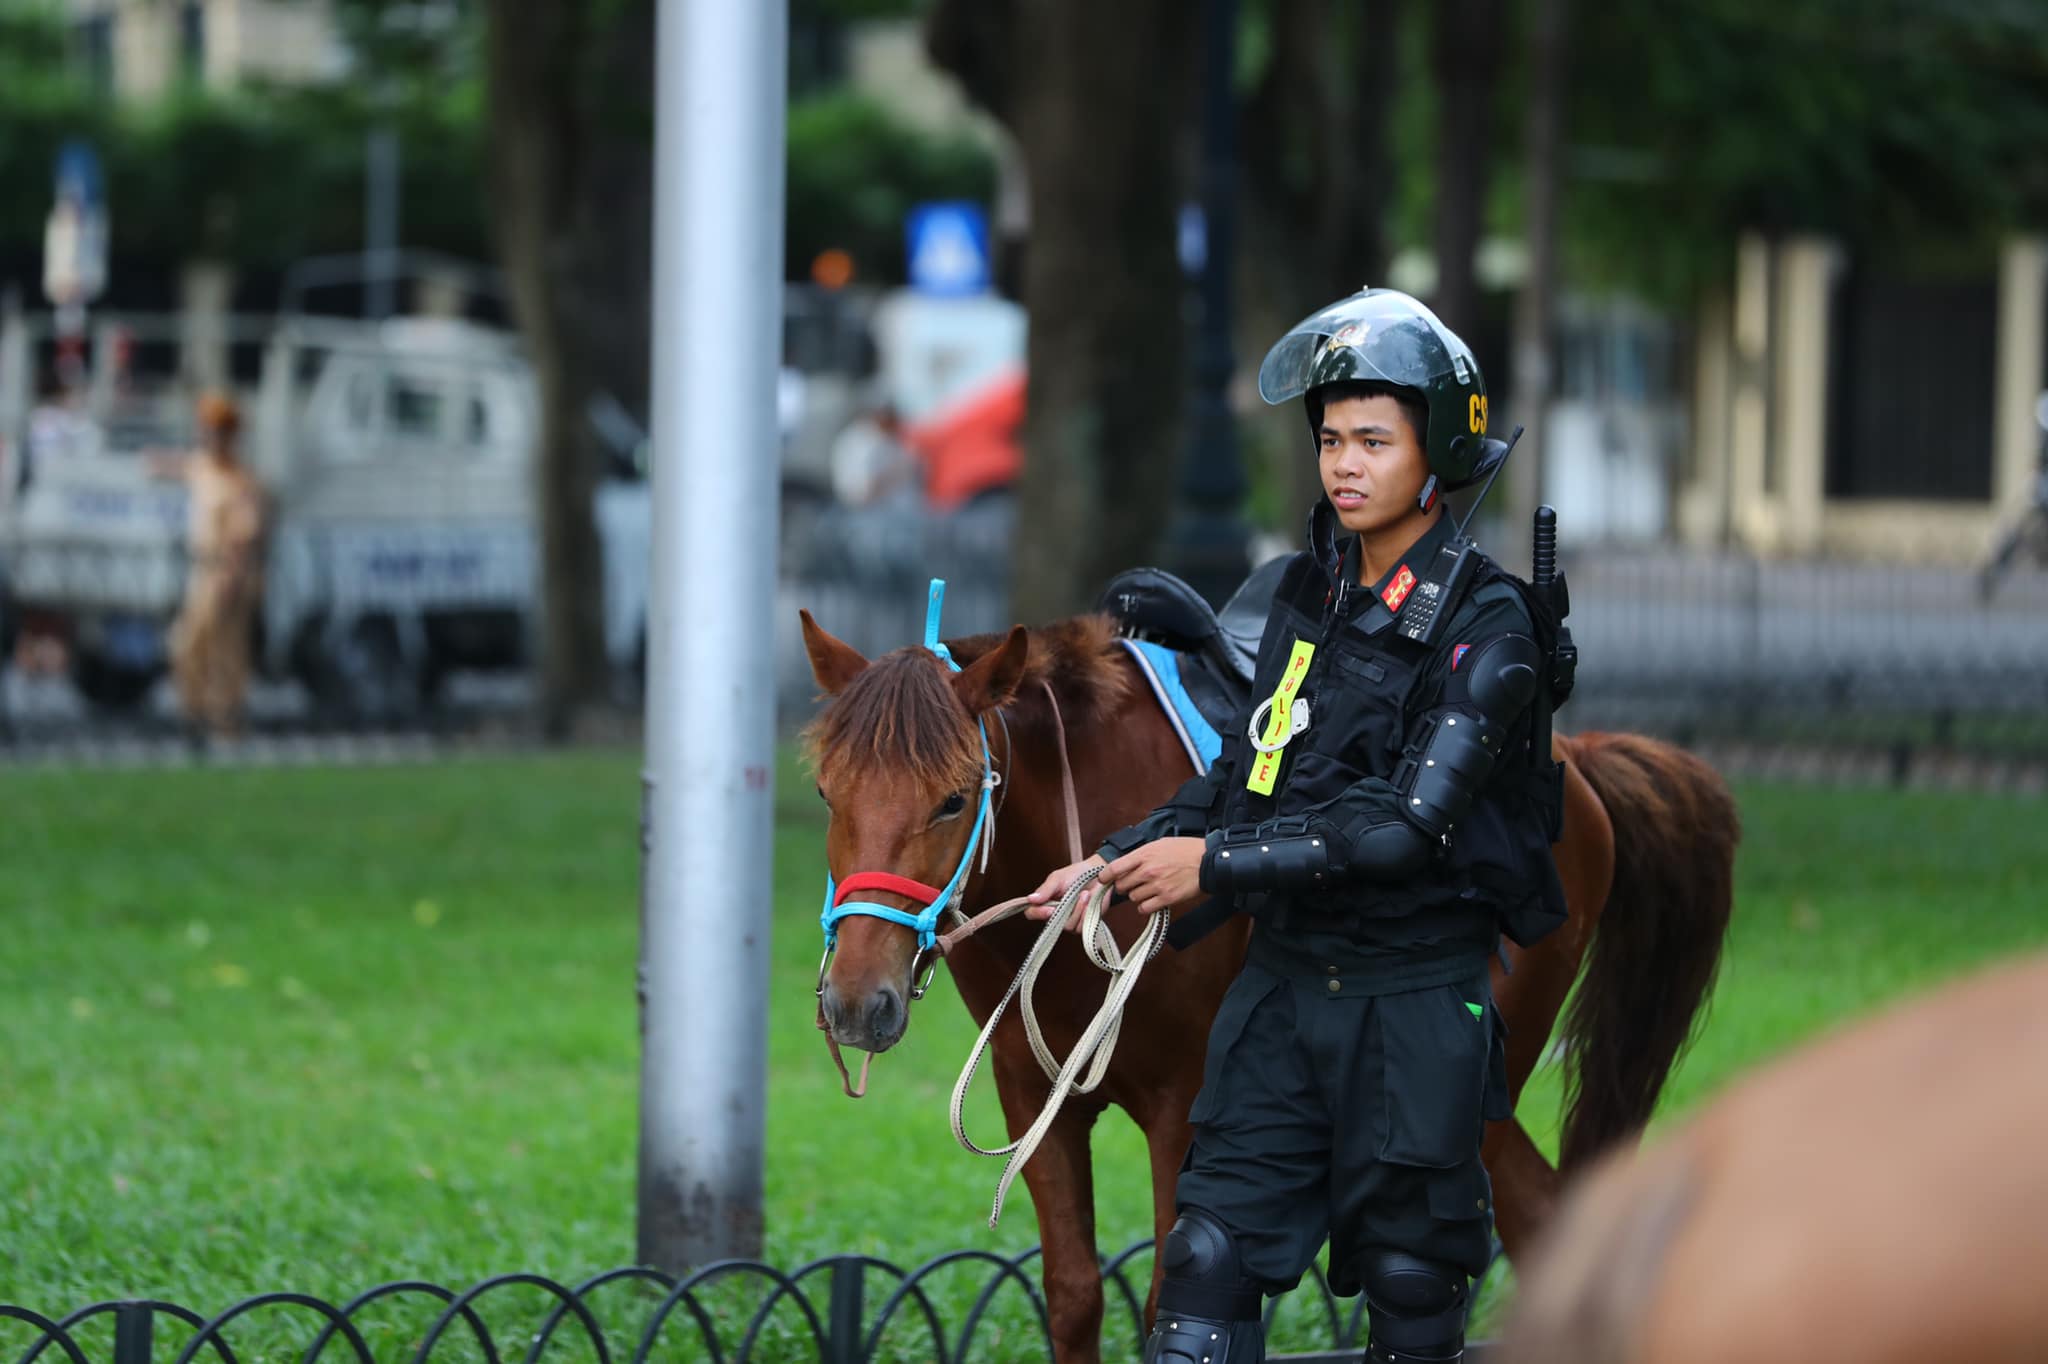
[(1097, 1043), (867, 1058)]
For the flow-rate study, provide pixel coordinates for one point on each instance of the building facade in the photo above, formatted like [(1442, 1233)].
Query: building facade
[(1865, 409), (138, 49)]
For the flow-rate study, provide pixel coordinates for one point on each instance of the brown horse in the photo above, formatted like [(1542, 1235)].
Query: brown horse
[(1648, 830), (1881, 1196)]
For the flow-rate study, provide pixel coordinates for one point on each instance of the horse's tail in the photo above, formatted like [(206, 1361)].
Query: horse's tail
[(1658, 941)]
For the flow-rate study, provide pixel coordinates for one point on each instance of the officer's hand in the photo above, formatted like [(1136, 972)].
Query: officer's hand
[(1054, 888), (1164, 874)]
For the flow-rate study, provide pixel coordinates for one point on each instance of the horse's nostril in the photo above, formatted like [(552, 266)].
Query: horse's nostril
[(885, 1013)]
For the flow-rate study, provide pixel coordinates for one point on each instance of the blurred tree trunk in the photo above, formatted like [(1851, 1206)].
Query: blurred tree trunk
[(571, 113), (1535, 309), (1465, 57), (1095, 95), (1318, 179)]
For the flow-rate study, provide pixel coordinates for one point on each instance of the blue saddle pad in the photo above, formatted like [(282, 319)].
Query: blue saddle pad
[(1161, 667)]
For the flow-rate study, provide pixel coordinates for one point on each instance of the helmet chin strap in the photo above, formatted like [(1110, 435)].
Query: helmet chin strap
[(1427, 497)]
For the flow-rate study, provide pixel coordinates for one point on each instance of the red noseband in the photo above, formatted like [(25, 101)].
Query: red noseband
[(882, 880)]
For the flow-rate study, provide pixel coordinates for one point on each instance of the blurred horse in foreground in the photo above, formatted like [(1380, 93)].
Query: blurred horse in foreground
[(1880, 1196)]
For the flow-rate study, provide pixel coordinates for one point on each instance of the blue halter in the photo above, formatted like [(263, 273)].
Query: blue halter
[(927, 922)]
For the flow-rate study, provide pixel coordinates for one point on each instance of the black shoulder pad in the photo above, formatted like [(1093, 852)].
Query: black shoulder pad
[(1497, 677)]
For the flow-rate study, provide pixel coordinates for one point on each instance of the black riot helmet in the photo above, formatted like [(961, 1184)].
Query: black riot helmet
[(1383, 336)]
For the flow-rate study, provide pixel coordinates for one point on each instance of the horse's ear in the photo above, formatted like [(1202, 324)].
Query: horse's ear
[(991, 680), (833, 661)]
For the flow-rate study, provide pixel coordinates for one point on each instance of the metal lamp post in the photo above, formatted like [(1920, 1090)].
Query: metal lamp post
[(1206, 544), (707, 816)]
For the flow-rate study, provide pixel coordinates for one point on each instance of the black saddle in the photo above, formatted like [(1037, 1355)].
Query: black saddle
[(1154, 603), (1219, 649)]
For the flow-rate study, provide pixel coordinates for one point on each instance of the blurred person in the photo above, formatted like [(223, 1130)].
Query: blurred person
[(58, 428), (2028, 532), (1385, 817), (224, 580), (871, 466)]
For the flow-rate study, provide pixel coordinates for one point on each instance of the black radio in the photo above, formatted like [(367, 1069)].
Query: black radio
[(1429, 606)]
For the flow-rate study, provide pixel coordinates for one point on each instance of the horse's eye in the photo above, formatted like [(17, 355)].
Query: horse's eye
[(954, 804), (822, 796)]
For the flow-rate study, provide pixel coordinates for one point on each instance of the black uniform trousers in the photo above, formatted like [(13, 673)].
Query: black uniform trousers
[(1332, 1110)]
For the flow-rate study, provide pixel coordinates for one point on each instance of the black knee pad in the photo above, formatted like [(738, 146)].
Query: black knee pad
[(1208, 1310), (1418, 1307)]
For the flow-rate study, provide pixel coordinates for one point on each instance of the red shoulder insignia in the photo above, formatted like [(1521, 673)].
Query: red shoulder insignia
[(1398, 590)]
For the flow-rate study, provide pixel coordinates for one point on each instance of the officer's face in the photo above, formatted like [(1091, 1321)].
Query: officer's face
[(1372, 463)]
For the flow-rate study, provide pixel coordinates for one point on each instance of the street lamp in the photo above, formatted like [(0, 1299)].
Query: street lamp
[(1206, 543)]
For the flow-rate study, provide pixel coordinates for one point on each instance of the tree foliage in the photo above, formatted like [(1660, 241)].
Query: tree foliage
[(1892, 125), (1898, 126), (266, 175), (259, 175), (855, 171)]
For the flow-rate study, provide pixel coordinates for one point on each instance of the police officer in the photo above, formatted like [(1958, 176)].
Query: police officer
[(1384, 813)]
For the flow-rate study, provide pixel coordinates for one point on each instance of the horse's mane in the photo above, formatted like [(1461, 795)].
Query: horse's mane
[(900, 711)]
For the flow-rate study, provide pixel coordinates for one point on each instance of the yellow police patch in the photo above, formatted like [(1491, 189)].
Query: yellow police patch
[(1279, 725)]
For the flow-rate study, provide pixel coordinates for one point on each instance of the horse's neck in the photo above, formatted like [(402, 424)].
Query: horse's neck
[(1024, 836), (1031, 821)]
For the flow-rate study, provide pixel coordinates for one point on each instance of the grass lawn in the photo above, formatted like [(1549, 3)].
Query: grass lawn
[(319, 1029)]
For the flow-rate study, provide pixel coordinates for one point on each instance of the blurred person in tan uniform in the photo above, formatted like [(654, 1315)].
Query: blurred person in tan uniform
[(224, 580)]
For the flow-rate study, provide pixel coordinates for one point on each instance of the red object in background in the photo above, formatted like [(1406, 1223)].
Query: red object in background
[(832, 268), (973, 446)]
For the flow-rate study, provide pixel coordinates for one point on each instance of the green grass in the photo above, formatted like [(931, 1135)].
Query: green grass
[(319, 1029)]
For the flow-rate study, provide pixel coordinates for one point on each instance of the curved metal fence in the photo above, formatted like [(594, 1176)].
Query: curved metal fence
[(843, 1309)]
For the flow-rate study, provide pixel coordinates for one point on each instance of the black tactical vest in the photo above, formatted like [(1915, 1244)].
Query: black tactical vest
[(1367, 700)]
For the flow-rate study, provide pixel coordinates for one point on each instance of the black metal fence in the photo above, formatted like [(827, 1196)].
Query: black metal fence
[(1877, 671), (845, 1309), (1870, 670), (1900, 670)]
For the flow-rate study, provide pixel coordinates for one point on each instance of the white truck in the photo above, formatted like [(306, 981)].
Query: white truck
[(398, 459), (399, 463)]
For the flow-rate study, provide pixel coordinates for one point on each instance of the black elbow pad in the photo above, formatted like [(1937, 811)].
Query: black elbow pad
[(1391, 851)]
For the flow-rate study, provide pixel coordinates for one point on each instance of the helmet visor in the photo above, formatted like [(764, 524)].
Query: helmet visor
[(1378, 335)]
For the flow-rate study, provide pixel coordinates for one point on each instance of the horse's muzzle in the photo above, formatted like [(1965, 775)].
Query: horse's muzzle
[(873, 1023)]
